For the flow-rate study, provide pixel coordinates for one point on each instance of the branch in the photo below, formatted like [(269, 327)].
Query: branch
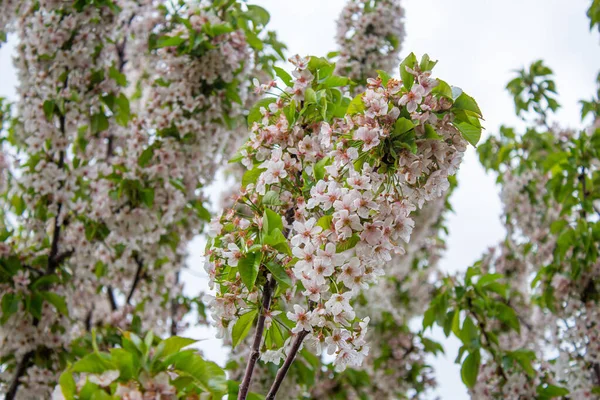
[(286, 365), (111, 299), (20, 371), (136, 279), (260, 327)]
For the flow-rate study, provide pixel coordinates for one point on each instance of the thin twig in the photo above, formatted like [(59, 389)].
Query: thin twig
[(286, 365), (20, 370), (260, 327), (136, 279)]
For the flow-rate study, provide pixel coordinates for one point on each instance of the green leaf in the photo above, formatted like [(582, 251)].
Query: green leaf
[(94, 363), (49, 107), (356, 106), (407, 78), (271, 221), (310, 96), (242, 327), (57, 301), (470, 369), (174, 344), (274, 238), (471, 133), (469, 333), (319, 169), (507, 315), (127, 363), (426, 63), (279, 273), (443, 89), (551, 391), (347, 244), (251, 176), (10, 305), (255, 115), (403, 125), (147, 196), (467, 103), (336, 81), (258, 14), (456, 323), (169, 41), (117, 76), (430, 133), (67, 385), (325, 221), (271, 198), (487, 279), (284, 76), (99, 123), (248, 267), (384, 76), (100, 394)]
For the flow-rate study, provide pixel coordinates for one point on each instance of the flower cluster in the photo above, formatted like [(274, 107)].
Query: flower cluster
[(369, 36), (125, 111), (327, 201), (538, 289)]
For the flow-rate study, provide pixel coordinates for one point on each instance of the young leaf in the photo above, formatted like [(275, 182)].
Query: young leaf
[(248, 268), (279, 273), (407, 78), (242, 327), (470, 369)]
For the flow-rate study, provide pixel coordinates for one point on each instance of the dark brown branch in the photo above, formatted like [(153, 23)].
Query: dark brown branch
[(111, 298), (136, 279), (19, 372), (286, 365), (260, 327)]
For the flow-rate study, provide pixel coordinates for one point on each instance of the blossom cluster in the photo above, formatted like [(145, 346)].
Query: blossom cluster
[(346, 185), (125, 110), (546, 270), (369, 37)]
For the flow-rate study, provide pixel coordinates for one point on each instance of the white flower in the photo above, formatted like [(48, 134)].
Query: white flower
[(105, 379), (302, 319)]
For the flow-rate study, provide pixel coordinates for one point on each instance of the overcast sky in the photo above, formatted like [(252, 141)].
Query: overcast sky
[(478, 43)]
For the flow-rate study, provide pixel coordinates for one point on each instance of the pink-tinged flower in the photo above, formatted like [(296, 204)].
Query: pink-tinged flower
[(427, 83), (350, 271), (372, 232), (313, 289), (306, 256), (413, 98), (233, 255), (345, 224), (303, 78), (105, 379), (275, 172), (358, 181), (325, 135), (339, 303), (321, 270), (160, 385), (21, 280), (369, 137), (330, 257), (337, 340), (273, 356), (299, 62), (305, 231), (365, 204), (128, 392), (302, 319), (347, 202)]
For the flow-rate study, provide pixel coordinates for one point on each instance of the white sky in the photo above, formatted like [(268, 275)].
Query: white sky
[(478, 43)]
